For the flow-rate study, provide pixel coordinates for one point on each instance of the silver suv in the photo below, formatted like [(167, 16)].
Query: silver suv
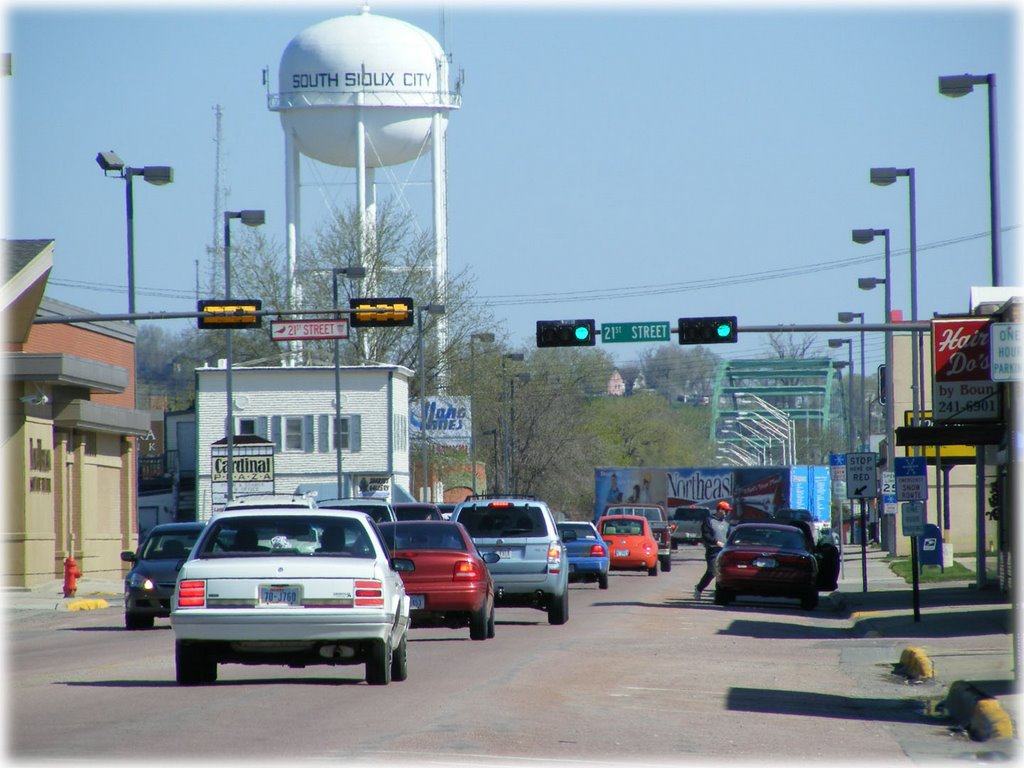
[(533, 569)]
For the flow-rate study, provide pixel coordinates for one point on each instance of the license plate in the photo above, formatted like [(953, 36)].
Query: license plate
[(622, 553), (765, 562), (277, 596), (504, 554), (417, 601)]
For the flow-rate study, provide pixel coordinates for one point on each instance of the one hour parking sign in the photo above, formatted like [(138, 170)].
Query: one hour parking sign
[(861, 475)]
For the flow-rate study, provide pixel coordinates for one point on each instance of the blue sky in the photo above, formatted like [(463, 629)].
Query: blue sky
[(625, 165)]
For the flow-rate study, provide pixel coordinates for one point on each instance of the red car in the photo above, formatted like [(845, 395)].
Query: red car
[(767, 560), (631, 545), (450, 585)]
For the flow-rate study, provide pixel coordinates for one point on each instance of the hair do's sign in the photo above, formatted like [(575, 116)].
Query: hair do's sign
[(963, 388)]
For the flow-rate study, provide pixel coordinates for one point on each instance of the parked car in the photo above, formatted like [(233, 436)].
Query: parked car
[(767, 560), (446, 508), (588, 553), (149, 585), (631, 545), (688, 521), (379, 509), (416, 510), (281, 586), (661, 528), (450, 586), (534, 567)]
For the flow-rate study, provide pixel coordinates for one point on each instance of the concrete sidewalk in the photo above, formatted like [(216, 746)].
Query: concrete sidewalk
[(962, 638), (49, 596)]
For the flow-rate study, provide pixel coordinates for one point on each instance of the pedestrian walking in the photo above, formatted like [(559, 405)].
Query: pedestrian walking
[(713, 532)]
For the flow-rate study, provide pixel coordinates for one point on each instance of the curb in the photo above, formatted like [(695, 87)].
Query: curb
[(86, 604), (916, 664), (982, 715)]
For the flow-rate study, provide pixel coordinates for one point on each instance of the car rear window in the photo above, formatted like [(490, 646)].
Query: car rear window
[(493, 521), (168, 545), (623, 528), (287, 535), (425, 535), (690, 515), (582, 531), (768, 537)]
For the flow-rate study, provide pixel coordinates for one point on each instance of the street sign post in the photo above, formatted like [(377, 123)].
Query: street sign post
[(861, 475), (911, 479), (913, 518), (1007, 351), (624, 332), (837, 464), (888, 492)]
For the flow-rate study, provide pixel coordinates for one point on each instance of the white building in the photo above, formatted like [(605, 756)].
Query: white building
[(293, 410)]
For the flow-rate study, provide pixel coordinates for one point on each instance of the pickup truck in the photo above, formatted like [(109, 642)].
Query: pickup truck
[(688, 521), (659, 522)]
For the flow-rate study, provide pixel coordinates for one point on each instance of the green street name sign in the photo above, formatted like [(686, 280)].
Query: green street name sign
[(625, 332)]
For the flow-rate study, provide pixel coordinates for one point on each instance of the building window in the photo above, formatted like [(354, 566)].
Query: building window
[(348, 435), (246, 427), (293, 433)]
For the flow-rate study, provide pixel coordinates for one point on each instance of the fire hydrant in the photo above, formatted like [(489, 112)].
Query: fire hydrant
[(71, 576)]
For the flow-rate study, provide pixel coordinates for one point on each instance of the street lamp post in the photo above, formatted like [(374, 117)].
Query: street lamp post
[(154, 174), (433, 309), (354, 273), (250, 219), (524, 377), (961, 85), (884, 177), (848, 317), (487, 338), (514, 356), (864, 236), (836, 344)]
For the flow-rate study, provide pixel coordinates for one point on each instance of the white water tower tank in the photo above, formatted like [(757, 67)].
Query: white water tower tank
[(395, 72)]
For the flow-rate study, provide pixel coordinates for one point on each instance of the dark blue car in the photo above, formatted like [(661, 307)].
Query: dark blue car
[(588, 554)]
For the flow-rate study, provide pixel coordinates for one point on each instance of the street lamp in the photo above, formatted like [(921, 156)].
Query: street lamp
[(354, 273), (848, 317), (486, 338), (250, 219), (836, 344), (961, 85), (154, 174), (883, 177), (864, 236), (433, 309)]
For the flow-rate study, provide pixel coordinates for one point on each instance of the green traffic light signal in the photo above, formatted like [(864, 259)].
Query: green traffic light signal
[(565, 333), (723, 330), (582, 333), (707, 330)]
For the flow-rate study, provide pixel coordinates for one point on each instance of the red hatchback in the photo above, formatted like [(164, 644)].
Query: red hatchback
[(450, 585)]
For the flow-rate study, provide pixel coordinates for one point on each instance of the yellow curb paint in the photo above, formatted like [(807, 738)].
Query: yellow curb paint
[(87, 605), (990, 721), (917, 664)]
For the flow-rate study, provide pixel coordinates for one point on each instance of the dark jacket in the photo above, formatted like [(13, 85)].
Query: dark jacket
[(713, 530)]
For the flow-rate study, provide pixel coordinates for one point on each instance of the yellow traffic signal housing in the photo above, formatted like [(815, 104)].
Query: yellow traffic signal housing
[(379, 312), (229, 313)]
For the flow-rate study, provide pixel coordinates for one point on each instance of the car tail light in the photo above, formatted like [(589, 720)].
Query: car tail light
[(597, 551), (192, 594), (647, 549), (554, 558), (500, 504), (465, 569), (369, 593)]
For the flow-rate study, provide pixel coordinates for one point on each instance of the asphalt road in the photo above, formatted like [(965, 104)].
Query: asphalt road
[(640, 674)]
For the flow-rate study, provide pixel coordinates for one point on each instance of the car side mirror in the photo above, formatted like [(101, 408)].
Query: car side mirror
[(128, 557)]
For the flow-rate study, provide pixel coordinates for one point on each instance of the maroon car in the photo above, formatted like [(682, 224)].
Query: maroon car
[(450, 585), (767, 560)]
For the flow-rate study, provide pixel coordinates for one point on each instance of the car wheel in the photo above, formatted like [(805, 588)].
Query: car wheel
[(193, 666), (478, 624), (134, 621), (400, 661), (490, 624), (653, 570), (378, 665), (666, 563), (602, 581), (723, 596), (558, 613), (810, 600)]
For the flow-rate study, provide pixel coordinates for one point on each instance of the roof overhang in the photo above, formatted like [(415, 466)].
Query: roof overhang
[(96, 417), (57, 368), (951, 434)]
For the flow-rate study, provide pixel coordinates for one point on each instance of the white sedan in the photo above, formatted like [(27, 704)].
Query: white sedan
[(292, 587)]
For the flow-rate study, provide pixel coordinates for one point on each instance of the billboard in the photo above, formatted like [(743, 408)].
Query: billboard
[(963, 389), (448, 420)]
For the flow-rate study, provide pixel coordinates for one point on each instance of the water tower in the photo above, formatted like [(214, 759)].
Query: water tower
[(365, 92)]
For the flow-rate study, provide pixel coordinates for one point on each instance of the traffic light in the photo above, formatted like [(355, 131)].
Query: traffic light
[(707, 330), (229, 313), (376, 312), (565, 333)]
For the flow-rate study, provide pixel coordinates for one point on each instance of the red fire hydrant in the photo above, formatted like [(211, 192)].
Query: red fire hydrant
[(71, 576)]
